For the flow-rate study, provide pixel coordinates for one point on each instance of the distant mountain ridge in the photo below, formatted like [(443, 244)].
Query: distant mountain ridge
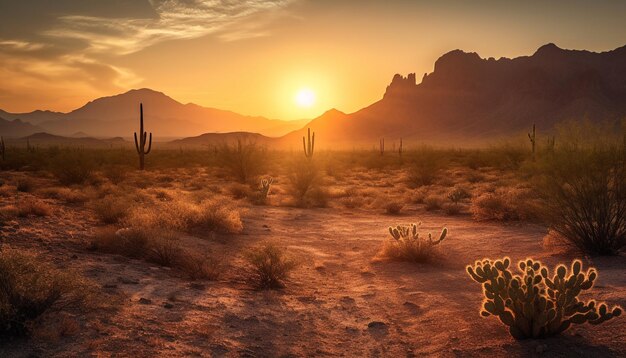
[(119, 116), (470, 98)]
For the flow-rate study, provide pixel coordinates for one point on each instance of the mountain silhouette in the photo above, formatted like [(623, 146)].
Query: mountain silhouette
[(119, 116), (468, 98)]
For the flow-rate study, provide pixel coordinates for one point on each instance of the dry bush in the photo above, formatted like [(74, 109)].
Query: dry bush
[(433, 202), (458, 194), (219, 215), (73, 167), (164, 250), (424, 169), (305, 180), (271, 265), (452, 209), (131, 242), (407, 245), (199, 266), (25, 185), (115, 173), (33, 207), (112, 209), (30, 288), (239, 191), (394, 207), (505, 204), (585, 192), (245, 160), (67, 195)]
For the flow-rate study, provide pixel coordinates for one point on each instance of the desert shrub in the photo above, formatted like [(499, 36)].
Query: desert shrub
[(245, 160), (536, 304), (72, 167), (239, 191), (394, 207), (305, 180), (219, 215), (164, 250), (200, 266), (407, 245), (271, 266), (459, 194), (505, 204), (115, 173), (111, 209), (68, 195), (25, 185), (30, 288), (33, 207), (262, 195), (452, 208), (424, 169), (132, 242), (433, 202), (585, 194)]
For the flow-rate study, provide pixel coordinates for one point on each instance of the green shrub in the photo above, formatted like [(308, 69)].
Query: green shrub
[(536, 304)]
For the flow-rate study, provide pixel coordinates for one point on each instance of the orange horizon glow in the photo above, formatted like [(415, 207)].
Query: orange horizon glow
[(253, 57)]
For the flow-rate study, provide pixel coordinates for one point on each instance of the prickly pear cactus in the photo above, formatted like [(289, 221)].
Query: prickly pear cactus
[(266, 185), (408, 244), (536, 304)]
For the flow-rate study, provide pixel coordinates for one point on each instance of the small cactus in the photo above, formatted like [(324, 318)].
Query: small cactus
[(309, 145), (266, 185), (400, 148), (409, 246), (382, 146), (2, 149), (140, 144), (536, 304), (533, 139)]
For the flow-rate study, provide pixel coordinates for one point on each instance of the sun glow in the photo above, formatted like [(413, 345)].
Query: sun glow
[(305, 98)]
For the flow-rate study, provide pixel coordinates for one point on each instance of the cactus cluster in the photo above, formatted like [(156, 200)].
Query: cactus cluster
[(536, 304), (409, 246), (266, 185), (140, 144), (309, 145)]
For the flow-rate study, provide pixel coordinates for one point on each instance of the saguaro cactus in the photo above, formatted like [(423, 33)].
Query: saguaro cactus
[(536, 304), (140, 144), (308, 144), (2, 148), (400, 148), (382, 146), (533, 141)]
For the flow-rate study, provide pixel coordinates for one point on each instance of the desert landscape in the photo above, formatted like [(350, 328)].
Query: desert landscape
[(479, 211)]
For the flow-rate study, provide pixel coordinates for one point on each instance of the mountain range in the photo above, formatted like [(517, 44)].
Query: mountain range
[(465, 99), (119, 116)]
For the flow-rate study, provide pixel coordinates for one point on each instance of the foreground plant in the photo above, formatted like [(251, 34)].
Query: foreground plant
[(271, 265), (535, 304), (409, 246)]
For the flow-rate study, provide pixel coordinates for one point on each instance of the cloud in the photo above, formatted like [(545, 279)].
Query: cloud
[(73, 42)]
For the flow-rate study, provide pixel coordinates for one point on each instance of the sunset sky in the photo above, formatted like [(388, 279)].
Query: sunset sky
[(288, 59)]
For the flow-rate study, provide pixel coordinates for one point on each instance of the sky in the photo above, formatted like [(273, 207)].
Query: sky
[(283, 59)]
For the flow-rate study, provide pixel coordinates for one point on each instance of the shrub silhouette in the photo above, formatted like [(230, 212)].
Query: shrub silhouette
[(407, 245), (536, 304), (271, 266)]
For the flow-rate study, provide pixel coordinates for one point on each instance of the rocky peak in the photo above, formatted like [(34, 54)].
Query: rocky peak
[(401, 85)]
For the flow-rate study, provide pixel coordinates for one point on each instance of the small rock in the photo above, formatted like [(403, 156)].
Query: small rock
[(168, 305), (376, 325), (145, 301)]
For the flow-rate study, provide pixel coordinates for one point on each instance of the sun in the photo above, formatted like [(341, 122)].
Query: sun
[(305, 98)]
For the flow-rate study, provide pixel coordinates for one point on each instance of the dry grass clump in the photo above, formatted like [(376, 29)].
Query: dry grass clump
[(30, 288), (200, 266), (433, 202), (112, 209), (219, 215), (239, 191), (25, 185), (305, 180), (164, 250), (505, 204), (245, 160), (271, 265), (33, 207), (115, 173), (70, 196), (424, 169), (73, 167), (131, 242), (393, 207)]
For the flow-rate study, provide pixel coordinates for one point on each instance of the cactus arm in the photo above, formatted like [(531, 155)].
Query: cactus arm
[(136, 143), (149, 145)]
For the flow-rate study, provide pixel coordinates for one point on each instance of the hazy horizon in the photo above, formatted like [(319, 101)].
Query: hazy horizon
[(280, 59)]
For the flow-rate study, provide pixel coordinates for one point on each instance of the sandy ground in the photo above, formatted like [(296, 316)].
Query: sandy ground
[(341, 301)]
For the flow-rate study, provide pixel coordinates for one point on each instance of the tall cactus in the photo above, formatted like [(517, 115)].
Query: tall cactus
[(140, 144), (2, 149), (308, 144), (535, 304), (533, 139), (382, 146), (400, 148)]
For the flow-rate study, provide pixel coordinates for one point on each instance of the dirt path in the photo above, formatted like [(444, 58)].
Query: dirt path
[(339, 302)]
